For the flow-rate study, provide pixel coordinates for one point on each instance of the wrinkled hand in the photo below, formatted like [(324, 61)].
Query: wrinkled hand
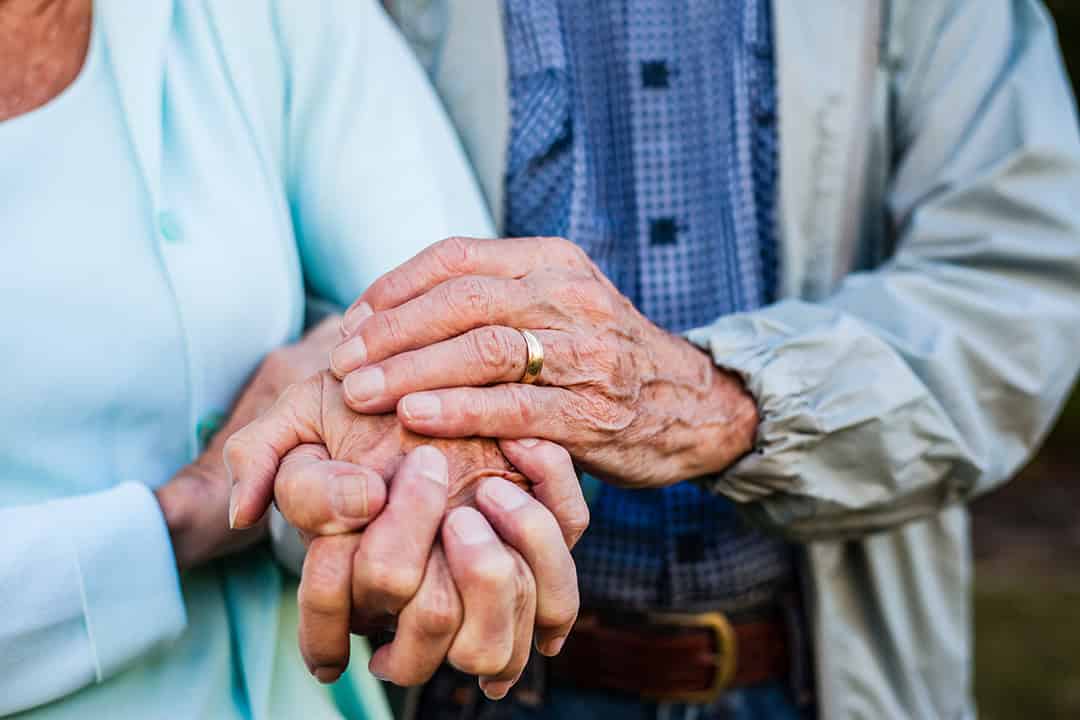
[(631, 402), (458, 592), (195, 502)]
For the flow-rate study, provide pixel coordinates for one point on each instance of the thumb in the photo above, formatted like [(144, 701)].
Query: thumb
[(320, 496), (253, 453)]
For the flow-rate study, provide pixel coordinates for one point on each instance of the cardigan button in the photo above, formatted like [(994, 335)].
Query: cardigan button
[(207, 427), (169, 227)]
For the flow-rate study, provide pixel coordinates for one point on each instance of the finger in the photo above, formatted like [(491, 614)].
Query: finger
[(451, 308), (527, 526), (484, 572), (390, 563), (509, 257), (511, 410), (555, 482), (425, 629), (326, 331), (321, 496), (325, 605), (496, 686), (252, 453), (487, 355)]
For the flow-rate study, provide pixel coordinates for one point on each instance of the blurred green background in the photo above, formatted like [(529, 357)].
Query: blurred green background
[(1027, 548)]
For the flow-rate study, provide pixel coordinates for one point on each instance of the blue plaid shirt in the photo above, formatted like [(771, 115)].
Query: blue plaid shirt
[(645, 131)]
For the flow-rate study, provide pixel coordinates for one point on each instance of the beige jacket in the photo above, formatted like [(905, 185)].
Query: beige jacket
[(930, 326)]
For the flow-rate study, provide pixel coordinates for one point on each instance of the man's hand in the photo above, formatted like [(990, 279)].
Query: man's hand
[(457, 590), (631, 402), (195, 502)]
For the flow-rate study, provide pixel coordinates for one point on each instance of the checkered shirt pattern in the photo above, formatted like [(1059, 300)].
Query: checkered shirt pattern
[(645, 131)]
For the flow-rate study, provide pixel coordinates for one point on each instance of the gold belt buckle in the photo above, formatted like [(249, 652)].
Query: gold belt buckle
[(727, 654)]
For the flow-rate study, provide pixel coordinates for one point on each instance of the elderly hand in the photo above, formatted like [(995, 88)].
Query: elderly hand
[(195, 502), (632, 403), (457, 593)]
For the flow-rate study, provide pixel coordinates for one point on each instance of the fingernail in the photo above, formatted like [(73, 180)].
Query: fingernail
[(365, 385), (421, 406), (348, 356), (351, 498), (496, 690), (434, 464), (354, 317), (527, 442), (234, 508), (504, 494), (553, 647), (470, 526), (328, 674)]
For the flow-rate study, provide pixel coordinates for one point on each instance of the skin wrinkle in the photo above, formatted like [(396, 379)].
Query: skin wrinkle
[(381, 443), (615, 387)]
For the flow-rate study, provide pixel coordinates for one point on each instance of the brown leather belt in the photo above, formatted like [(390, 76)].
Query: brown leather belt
[(673, 658)]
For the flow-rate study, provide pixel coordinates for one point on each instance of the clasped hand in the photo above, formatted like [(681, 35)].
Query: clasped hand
[(370, 497)]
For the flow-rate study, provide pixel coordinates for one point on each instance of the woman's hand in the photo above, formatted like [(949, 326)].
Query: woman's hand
[(630, 401), (195, 502), (456, 589)]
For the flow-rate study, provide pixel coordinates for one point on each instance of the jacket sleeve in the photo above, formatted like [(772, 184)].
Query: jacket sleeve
[(89, 584), (932, 377), (375, 170)]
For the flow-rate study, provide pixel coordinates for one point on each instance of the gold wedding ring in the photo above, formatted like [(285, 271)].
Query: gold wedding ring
[(534, 357)]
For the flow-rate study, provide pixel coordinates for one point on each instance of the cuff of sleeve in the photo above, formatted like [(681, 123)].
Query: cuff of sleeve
[(827, 390), (131, 589)]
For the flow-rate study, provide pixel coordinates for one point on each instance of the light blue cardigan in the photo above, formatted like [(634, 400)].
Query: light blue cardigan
[(322, 159)]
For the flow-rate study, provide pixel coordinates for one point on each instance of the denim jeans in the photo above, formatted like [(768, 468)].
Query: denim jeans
[(452, 696), (770, 701)]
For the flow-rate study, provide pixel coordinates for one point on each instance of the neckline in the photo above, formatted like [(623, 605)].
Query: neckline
[(74, 88)]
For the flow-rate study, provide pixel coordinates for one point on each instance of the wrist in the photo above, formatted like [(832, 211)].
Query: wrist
[(721, 417), (176, 510), (187, 503)]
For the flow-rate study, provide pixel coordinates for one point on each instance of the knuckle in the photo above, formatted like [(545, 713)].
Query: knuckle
[(385, 325), (469, 296), (491, 572), (520, 400), (481, 658), (563, 611), (576, 520), (455, 254), (574, 295), (535, 525), (492, 347), (438, 613), (523, 583), (571, 252), (237, 450), (395, 581)]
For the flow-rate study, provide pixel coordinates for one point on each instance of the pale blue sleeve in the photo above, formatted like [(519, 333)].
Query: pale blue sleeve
[(89, 585), (375, 171)]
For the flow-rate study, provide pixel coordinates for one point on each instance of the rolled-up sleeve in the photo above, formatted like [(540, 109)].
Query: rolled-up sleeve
[(90, 584), (932, 377)]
